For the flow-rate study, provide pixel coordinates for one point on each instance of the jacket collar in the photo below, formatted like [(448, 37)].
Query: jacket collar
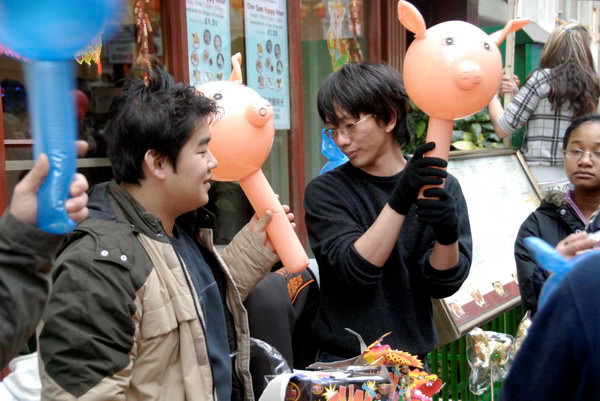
[(110, 201)]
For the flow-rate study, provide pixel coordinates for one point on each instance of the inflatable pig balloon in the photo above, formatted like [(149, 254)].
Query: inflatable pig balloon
[(241, 141), (451, 70)]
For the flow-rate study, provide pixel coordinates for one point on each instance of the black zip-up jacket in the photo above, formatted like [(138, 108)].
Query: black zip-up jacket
[(552, 221)]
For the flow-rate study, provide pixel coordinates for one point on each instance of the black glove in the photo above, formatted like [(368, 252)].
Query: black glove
[(418, 172), (440, 214)]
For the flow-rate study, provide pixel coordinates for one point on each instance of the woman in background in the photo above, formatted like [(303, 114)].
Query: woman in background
[(565, 87)]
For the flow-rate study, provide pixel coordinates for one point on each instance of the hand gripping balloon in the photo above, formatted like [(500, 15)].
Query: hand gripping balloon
[(241, 141), (49, 33), (451, 71)]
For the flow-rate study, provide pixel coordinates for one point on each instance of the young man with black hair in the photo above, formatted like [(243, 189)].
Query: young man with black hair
[(142, 306), (382, 253)]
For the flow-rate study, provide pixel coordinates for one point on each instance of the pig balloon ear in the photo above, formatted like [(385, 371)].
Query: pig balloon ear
[(236, 72), (511, 26), (411, 19)]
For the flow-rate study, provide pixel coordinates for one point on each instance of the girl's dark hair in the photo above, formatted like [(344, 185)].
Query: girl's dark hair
[(160, 116), (576, 124), (574, 80), (375, 89)]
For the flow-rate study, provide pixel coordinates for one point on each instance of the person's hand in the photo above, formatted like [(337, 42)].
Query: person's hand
[(418, 172), (509, 85), (24, 202), (440, 214), (259, 226), (575, 244)]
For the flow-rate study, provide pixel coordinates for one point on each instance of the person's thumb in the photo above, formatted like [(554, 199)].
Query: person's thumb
[(34, 179), (264, 221)]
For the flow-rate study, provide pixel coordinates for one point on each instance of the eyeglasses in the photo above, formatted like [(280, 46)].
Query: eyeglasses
[(578, 154), (347, 130)]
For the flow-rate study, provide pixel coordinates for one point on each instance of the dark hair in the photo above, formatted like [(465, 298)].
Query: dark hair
[(567, 53), (576, 123), (366, 88), (160, 116)]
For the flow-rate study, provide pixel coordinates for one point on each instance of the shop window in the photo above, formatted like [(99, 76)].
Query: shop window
[(97, 84), (333, 34)]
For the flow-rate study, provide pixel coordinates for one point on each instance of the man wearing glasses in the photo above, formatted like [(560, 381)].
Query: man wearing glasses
[(382, 254)]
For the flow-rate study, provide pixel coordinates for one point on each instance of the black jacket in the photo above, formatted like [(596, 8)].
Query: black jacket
[(553, 220)]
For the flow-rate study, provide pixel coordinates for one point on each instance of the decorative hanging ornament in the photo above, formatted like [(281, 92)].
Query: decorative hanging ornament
[(144, 27), (320, 10), (91, 53)]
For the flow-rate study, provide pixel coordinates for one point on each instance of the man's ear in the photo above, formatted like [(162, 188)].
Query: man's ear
[(389, 127), (155, 164)]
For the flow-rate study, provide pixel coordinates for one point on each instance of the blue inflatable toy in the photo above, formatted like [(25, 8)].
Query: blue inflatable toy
[(547, 257), (330, 150), (48, 33)]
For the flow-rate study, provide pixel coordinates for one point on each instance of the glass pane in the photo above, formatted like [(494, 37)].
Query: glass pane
[(333, 34), (97, 84)]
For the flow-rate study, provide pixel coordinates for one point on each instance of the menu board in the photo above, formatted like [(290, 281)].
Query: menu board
[(500, 193), (209, 40), (267, 61)]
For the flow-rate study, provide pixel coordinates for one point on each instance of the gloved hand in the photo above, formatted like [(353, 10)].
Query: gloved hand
[(418, 172), (440, 214)]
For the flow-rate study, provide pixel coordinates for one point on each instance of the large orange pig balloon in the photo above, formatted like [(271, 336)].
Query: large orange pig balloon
[(451, 70), (241, 141)]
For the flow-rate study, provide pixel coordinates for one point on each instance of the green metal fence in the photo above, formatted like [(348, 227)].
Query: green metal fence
[(450, 361)]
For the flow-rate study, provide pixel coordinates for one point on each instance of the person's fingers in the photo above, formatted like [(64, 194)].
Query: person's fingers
[(434, 172), (261, 223), (80, 215), (290, 216), (82, 147), (421, 150), (77, 203), (34, 179), (293, 225), (286, 208), (440, 193), (432, 161), (79, 185)]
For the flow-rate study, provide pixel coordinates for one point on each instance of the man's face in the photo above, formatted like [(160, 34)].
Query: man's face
[(190, 184), (584, 170), (363, 140)]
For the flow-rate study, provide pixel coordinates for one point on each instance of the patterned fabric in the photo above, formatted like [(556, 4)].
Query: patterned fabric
[(542, 143)]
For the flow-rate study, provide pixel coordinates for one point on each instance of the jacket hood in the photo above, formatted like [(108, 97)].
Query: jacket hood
[(556, 198)]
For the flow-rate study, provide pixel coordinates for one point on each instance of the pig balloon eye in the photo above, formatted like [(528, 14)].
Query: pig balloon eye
[(448, 41), (487, 46), (218, 96)]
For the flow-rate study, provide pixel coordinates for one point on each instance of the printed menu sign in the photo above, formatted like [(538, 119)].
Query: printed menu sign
[(267, 61), (209, 40)]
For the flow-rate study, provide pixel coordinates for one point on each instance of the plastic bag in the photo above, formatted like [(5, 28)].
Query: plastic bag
[(489, 355)]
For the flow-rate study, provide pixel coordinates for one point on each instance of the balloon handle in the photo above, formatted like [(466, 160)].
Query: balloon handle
[(440, 132), (280, 230), (52, 115)]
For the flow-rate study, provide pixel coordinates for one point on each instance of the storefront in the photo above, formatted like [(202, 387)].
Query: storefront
[(288, 48)]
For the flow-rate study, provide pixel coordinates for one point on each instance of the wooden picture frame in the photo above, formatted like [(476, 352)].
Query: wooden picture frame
[(500, 192)]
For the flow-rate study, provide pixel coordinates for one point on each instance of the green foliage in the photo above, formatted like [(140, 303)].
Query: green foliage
[(470, 133)]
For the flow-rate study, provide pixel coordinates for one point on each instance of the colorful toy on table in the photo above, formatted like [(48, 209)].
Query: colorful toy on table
[(451, 71), (332, 152), (48, 34), (489, 355), (241, 141)]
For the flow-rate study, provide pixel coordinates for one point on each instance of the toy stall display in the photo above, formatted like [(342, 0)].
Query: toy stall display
[(490, 355), (241, 141), (49, 34), (378, 373)]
